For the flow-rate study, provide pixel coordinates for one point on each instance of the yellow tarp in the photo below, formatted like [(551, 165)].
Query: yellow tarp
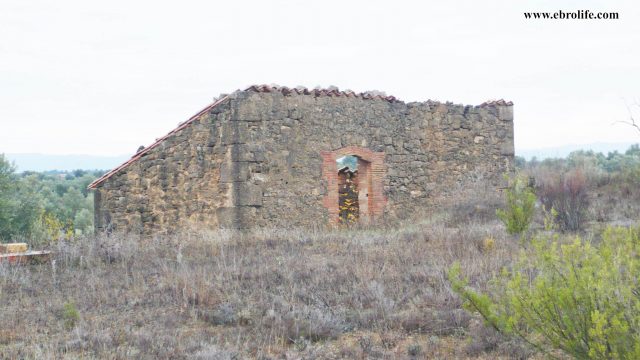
[(13, 248)]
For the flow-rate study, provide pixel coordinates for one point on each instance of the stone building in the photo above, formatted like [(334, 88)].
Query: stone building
[(270, 156)]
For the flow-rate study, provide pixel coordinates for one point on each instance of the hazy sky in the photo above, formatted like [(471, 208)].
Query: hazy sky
[(86, 77)]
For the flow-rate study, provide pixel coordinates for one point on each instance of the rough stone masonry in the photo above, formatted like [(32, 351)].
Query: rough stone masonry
[(266, 156)]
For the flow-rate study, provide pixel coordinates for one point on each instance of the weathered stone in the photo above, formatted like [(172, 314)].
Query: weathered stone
[(507, 149), (236, 217), (234, 171), (235, 133), (457, 121), (249, 111), (505, 113), (263, 158), (295, 114), (249, 153), (247, 194)]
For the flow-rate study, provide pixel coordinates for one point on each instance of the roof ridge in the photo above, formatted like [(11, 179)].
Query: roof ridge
[(499, 102), (331, 92)]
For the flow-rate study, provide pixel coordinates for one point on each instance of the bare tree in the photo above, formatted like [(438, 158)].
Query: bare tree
[(632, 120)]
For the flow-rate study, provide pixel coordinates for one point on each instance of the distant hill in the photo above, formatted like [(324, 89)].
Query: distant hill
[(563, 151), (44, 162)]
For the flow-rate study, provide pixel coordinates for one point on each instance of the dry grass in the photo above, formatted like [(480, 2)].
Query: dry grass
[(615, 202), (269, 294), (588, 199)]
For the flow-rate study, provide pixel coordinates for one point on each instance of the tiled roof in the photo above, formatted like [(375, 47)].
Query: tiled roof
[(335, 92), (321, 92), (500, 102)]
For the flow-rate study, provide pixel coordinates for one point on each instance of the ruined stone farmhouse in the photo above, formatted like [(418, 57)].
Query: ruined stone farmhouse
[(273, 156)]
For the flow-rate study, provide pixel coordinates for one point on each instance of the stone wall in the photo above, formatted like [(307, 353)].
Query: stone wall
[(264, 157), (174, 185)]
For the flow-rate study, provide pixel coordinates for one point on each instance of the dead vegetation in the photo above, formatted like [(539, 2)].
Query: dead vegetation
[(275, 293), (270, 294)]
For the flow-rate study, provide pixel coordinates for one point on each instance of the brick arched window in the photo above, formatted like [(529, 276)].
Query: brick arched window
[(371, 171)]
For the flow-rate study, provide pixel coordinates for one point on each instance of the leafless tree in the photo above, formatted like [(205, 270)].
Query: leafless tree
[(632, 120)]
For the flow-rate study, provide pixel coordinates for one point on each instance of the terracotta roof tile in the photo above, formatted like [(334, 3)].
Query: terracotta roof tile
[(500, 102), (332, 92)]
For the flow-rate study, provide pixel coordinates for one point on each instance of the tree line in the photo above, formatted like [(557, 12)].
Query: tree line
[(38, 207)]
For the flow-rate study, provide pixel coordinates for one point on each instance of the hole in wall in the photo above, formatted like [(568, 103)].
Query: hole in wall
[(348, 202), (350, 161), (354, 185)]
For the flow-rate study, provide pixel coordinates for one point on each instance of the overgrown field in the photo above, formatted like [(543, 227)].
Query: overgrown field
[(275, 294), (299, 294), (358, 293)]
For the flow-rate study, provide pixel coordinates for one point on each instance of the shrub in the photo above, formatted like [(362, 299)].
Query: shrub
[(414, 350), (576, 298), (223, 314), (488, 244), (567, 194), (519, 208), (70, 315)]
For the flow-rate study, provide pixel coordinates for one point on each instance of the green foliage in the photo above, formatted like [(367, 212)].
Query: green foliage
[(40, 207), (473, 301), (519, 162), (28, 210), (550, 218), (18, 204), (7, 201), (520, 207), (70, 315), (617, 166), (576, 298), (83, 221)]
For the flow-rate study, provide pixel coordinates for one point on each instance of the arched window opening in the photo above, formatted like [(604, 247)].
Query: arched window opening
[(354, 184)]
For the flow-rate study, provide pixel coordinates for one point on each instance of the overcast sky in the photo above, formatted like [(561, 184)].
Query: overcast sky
[(102, 78)]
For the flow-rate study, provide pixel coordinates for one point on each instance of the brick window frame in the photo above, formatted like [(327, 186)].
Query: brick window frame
[(376, 170)]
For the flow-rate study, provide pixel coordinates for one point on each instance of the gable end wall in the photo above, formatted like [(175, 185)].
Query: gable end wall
[(257, 160)]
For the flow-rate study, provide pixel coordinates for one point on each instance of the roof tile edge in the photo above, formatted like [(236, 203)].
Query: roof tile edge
[(335, 92)]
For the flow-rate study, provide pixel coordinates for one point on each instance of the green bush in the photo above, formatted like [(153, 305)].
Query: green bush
[(519, 208), (576, 298), (70, 315), (7, 201)]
